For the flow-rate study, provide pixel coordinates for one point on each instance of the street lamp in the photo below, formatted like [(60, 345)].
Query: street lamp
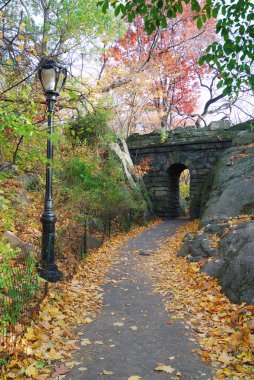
[(52, 77)]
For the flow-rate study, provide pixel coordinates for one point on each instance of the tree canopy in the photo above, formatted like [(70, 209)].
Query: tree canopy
[(232, 55)]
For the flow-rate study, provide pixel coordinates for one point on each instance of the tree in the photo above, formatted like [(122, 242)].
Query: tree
[(231, 55), (32, 31), (167, 62)]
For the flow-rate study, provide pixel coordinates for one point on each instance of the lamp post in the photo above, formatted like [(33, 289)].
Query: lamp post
[(52, 77)]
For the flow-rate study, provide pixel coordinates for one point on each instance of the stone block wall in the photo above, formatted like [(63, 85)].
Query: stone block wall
[(197, 152)]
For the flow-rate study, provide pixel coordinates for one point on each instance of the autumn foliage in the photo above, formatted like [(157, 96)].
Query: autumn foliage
[(169, 58)]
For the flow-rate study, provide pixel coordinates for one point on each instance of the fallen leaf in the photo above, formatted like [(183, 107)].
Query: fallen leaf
[(42, 377), (164, 368), (54, 355), (82, 369), (134, 378), (62, 370), (32, 371), (225, 358), (87, 320), (134, 328), (105, 372), (85, 342), (70, 364), (118, 324)]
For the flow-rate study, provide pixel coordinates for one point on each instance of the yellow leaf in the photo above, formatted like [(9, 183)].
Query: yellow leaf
[(227, 372), (87, 320), (134, 378), (31, 334), (32, 371), (164, 368), (22, 26), (21, 37), (134, 328), (21, 47), (54, 355), (105, 372), (225, 358), (118, 324), (85, 342), (19, 58), (82, 369)]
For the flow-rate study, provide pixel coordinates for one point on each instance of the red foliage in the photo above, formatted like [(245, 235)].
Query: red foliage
[(143, 168), (169, 57)]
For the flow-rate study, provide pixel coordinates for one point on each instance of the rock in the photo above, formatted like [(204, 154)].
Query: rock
[(213, 269), (237, 251), (234, 265), (243, 138), (31, 180), (93, 242), (21, 200), (8, 168), (26, 248), (231, 194), (232, 188), (184, 251), (219, 124), (188, 237)]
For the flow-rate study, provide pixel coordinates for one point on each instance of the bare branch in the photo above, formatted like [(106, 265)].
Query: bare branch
[(5, 5)]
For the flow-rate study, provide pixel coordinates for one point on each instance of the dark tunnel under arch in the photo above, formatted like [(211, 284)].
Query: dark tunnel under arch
[(174, 172)]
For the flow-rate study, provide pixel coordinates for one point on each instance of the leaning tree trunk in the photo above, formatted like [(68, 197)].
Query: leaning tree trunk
[(122, 151)]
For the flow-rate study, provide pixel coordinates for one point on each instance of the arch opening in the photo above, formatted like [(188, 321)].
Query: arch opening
[(179, 190)]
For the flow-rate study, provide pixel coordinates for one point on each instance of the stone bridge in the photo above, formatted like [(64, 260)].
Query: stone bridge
[(183, 148)]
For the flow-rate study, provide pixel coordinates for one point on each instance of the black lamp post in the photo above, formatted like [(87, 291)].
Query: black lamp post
[(52, 77)]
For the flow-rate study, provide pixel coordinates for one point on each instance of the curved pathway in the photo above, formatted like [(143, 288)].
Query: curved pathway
[(132, 335)]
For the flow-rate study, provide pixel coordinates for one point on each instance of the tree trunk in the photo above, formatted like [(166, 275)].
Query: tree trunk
[(122, 151), (164, 122)]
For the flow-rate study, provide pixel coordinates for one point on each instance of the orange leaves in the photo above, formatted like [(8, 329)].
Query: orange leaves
[(143, 168), (225, 331), (46, 348)]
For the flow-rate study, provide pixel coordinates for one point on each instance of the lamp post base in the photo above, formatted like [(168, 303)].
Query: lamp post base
[(51, 274)]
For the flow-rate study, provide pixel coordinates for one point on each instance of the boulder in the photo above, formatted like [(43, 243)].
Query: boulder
[(93, 242), (234, 266), (25, 248), (226, 238), (232, 190), (243, 138), (30, 180), (219, 124), (8, 168)]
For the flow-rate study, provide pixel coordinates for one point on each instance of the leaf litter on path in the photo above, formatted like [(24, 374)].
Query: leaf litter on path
[(225, 331), (68, 305)]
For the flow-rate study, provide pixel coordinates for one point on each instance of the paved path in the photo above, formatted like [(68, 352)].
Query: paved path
[(132, 334)]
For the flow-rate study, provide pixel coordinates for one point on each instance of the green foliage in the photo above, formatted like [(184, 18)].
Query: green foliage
[(232, 55), (19, 135), (184, 187), (98, 185), (92, 128), (7, 212), (163, 134), (50, 29)]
